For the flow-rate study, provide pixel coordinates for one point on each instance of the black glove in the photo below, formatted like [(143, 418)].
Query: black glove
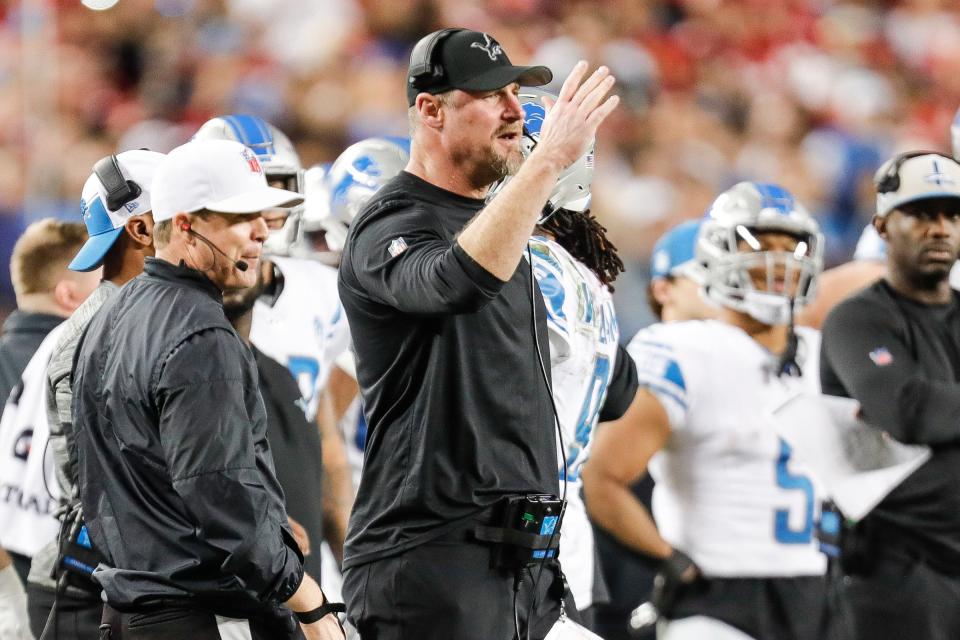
[(676, 573)]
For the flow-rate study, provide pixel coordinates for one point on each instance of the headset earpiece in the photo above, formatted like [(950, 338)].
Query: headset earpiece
[(889, 181), (184, 226), (119, 190), (423, 71)]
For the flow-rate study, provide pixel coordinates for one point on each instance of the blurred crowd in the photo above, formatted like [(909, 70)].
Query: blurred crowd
[(811, 94)]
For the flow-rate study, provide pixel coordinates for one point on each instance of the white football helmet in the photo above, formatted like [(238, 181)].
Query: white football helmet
[(321, 237), (359, 172), (728, 247), (572, 190), (276, 155)]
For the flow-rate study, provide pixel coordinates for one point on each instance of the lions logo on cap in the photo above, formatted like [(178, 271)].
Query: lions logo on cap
[(252, 161), (937, 177), (490, 46)]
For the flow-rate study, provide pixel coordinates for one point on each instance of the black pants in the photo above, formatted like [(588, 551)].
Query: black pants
[(444, 589), (76, 619), (904, 598), (763, 608), (180, 624)]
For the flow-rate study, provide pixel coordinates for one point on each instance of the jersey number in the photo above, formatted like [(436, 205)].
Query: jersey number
[(305, 371), (791, 482), (588, 417)]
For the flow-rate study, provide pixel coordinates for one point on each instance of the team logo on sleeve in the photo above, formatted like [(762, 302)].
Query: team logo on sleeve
[(398, 246), (881, 357)]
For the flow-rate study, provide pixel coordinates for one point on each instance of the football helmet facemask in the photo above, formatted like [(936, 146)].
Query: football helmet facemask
[(730, 248)]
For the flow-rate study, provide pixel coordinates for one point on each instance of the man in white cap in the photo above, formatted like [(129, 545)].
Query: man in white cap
[(177, 485), (895, 348), (116, 209)]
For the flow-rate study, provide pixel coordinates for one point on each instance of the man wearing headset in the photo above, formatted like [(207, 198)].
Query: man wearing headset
[(116, 209), (446, 321), (176, 476), (895, 348)]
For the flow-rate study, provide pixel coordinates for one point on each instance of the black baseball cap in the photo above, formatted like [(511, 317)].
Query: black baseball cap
[(468, 60)]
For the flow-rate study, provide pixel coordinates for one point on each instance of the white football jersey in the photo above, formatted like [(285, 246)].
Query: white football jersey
[(30, 489), (729, 492), (583, 332), (305, 329)]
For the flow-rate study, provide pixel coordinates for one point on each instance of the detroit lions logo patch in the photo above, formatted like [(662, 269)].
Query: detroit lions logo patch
[(489, 46)]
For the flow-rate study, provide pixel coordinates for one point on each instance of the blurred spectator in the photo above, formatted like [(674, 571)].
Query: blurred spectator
[(806, 93)]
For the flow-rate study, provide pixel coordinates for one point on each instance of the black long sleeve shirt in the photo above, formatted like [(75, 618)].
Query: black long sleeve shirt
[(295, 444), (458, 414), (901, 361), (176, 477)]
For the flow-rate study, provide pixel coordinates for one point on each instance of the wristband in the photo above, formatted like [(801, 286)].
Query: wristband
[(309, 617)]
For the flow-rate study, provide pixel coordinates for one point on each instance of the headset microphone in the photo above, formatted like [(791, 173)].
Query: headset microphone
[(239, 264)]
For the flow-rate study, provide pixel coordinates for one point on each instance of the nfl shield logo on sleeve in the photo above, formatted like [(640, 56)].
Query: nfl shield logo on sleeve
[(398, 246)]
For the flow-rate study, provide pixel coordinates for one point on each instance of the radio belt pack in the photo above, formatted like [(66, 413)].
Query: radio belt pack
[(528, 531)]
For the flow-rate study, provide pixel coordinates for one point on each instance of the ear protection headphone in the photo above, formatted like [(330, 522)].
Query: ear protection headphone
[(120, 191), (423, 72), (889, 180)]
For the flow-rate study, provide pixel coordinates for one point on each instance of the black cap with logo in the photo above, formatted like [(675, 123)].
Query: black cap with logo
[(468, 60)]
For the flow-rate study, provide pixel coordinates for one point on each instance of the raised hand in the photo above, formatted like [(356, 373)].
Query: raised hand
[(572, 121)]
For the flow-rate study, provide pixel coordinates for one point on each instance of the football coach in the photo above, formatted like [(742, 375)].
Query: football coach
[(176, 477)]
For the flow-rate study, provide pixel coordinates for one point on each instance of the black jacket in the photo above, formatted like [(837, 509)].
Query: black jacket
[(176, 478), (22, 335)]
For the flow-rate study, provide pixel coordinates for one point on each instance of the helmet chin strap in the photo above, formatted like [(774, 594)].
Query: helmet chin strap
[(762, 308), (787, 362)]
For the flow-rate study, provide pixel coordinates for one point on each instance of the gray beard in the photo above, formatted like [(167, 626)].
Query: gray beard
[(506, 166)]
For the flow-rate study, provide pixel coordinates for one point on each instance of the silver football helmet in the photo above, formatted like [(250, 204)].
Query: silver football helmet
[(358, 173), (572, 190), (276, 155), (728, 247), (321, 237)]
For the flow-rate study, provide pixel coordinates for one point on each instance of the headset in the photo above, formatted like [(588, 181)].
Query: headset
[(889, 180), (119, 190), (423, 72), (241, 265)]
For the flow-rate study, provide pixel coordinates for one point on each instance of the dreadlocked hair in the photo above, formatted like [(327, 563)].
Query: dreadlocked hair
[(586, 239)]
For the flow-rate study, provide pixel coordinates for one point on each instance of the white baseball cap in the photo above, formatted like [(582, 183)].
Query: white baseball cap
[(910, 177), (217, 175), (104, 225)]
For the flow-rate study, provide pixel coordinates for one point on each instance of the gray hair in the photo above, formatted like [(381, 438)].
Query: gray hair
[(413, 117)]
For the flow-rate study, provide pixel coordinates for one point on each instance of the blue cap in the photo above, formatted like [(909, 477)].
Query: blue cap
[(105, 226), (674, 250)]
